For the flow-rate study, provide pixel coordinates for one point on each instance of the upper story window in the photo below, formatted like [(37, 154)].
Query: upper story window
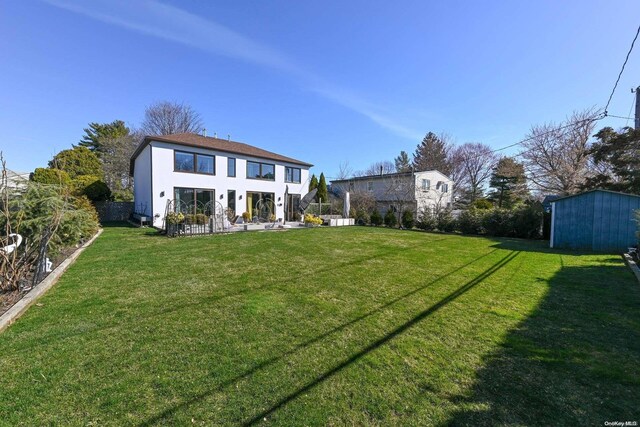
[(292, 175), (426, 184), (256, 170), (231, 167), (194, 163), (445, 188)]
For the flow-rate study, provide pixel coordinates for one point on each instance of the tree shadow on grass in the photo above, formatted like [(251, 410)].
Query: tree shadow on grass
[(574, 361), (353, 358)]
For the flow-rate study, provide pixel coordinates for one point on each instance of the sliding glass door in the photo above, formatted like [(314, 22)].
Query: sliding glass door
[(260, 206)]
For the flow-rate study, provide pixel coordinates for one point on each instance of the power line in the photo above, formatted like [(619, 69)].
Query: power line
[(621, 71)]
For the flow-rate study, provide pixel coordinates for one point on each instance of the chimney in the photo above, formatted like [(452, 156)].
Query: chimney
[(381, 169), (228, 137), (204, 131), (215, 134)]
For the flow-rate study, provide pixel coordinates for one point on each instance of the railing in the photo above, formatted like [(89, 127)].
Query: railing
[(192, 219)]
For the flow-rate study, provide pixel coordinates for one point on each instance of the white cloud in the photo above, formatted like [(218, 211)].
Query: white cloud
[(170, 23)]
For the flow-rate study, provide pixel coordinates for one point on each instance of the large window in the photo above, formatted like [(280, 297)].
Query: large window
[(193, 200), (231, 167), (256, 170), (426, 184), (194, 163), (292, 175)]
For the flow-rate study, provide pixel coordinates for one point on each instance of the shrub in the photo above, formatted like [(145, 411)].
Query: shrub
[(470, 221), (48, 219), (97, 191), (174, 218), (50, 176), (92, 187), (426, 220), (527, 220), (445, 221), (362, 217), (123, 195), (246, 216), (312, 219), (407, 219), (376, 218), (482, 204), (201, 219), (390, 219), (499, 222)]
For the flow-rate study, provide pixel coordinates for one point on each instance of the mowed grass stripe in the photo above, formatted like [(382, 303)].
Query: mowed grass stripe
[(338, 326)]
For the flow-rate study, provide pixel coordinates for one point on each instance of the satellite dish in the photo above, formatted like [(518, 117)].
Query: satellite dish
[(307, 199)]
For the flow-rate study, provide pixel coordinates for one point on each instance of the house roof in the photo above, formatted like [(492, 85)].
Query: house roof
[(592, 191), (386, 175), (228, 146)]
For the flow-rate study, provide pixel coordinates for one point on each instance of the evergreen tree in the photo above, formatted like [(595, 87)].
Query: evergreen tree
[(99, 131), (432, 154), (313, 183), (615, 156), (323, 193), (77, 161), (403, 164), (509, 183)]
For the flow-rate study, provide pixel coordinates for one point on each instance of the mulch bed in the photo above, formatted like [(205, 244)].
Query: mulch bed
[(9, 298)]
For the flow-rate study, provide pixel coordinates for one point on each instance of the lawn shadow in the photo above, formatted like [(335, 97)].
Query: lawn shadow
[(574, 361), (541, 246), (168, 412)]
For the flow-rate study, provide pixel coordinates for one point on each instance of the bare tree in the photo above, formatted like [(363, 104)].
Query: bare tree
[(166, 118), (556, 156), (378, 168), (345, 170), (116, 154), (472, 164)]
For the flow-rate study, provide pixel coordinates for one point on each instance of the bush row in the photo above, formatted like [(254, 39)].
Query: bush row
[(523, 221)]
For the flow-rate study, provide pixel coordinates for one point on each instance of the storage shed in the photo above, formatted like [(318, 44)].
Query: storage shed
[(597, 220)]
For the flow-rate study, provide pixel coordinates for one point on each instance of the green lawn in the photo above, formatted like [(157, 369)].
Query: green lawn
[(341, 326)]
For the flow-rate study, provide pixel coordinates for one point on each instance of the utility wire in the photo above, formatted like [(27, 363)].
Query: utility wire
[(621, 71)]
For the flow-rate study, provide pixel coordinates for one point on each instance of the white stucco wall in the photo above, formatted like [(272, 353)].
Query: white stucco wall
[(165, 179)]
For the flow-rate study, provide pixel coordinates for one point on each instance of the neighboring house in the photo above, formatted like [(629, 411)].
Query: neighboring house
[(17, 179), (598, 220), (416, 191), (191, 170)]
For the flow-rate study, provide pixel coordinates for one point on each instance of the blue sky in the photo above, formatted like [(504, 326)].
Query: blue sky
[(324, 82)]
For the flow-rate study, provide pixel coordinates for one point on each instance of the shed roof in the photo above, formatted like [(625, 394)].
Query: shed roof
[(592, 191), (228, 146)]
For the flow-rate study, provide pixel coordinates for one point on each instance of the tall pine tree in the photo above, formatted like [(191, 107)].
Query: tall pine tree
[(313, 183), (432, 154), (323, 193), (402, 162), (508, 182), (100, 131)]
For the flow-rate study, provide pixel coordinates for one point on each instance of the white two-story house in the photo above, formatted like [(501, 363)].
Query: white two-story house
[(188, 168), (415, 191)]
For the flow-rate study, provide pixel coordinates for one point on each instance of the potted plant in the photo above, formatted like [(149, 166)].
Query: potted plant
[(312, 220), (174, 221)]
